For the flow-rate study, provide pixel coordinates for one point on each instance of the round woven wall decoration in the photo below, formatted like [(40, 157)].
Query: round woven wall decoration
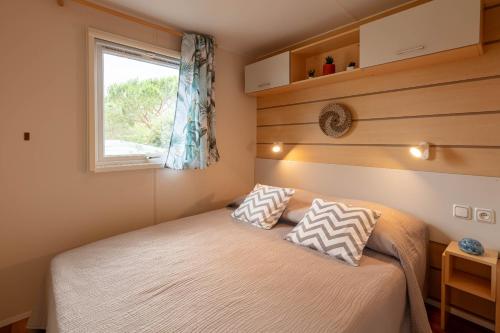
[(335, 120)]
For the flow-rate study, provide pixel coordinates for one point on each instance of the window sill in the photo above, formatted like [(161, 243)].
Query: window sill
[(100, 168)]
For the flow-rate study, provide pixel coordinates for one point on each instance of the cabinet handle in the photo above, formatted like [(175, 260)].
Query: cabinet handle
[(264, 84), (413, 49)]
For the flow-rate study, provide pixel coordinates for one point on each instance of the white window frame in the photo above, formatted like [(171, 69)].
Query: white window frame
[(97, 161)]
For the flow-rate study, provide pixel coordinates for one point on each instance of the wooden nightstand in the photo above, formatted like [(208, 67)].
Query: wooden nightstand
[(476, 275)]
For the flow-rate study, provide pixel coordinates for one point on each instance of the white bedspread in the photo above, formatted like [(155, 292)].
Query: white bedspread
[(207, 273)]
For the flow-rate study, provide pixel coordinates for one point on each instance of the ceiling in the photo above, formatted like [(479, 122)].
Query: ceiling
[(254, 27)]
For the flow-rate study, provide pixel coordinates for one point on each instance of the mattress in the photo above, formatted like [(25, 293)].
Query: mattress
[(208, 273)]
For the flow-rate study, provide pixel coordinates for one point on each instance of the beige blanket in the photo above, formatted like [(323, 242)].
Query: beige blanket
[(396, 234), (207, 273)]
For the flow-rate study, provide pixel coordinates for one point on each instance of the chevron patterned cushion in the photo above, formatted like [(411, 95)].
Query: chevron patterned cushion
[(263, 206), (336, 229)]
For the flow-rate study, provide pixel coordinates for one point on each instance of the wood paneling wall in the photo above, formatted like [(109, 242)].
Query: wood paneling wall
[(454, 106)]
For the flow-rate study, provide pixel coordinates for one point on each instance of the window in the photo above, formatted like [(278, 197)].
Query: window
[(132, 96)]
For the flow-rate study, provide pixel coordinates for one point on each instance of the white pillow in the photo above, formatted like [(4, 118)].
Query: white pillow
[(335, 229), (263, 206)]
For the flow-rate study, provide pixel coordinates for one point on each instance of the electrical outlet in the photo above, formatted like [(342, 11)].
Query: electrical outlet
[(484, 215)]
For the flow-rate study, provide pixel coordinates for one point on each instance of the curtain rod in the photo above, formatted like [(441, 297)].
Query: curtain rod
[(125, 16)]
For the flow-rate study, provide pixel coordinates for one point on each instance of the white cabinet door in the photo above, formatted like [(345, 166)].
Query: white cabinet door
[(268, 73), (433, 27)]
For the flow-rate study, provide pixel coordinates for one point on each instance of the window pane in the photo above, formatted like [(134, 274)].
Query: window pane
[(139, 103)]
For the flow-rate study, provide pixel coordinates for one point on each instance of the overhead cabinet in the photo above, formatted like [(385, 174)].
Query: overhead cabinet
[(268, 73), (434, 32), (433, 27)]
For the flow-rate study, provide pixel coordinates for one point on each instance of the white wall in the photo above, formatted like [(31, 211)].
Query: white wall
[(426, 195), (49, 202)]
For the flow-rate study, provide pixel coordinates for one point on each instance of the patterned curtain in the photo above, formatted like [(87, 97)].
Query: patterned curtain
[(193, 144)]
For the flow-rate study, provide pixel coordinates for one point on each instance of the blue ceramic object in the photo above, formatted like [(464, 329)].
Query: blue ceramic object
[(471, 246)]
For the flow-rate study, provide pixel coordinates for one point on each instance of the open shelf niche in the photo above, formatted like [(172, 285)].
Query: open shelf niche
[(344, 48), (473, 274)]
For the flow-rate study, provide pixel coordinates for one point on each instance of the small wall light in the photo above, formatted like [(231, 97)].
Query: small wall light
[(421, 151), (277, 147)]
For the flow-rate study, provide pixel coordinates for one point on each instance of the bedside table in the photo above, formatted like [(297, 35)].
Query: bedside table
[(476, 275)]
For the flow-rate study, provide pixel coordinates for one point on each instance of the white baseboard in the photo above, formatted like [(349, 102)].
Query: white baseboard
[(14, 319), (464, 315)]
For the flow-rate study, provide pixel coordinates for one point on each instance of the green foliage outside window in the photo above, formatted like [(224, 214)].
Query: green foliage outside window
[(141, 111)]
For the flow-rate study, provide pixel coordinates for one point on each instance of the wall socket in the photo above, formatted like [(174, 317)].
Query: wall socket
[(484, 215)]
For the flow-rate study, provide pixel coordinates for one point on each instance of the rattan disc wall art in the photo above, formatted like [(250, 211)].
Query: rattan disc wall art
[(335, 120)]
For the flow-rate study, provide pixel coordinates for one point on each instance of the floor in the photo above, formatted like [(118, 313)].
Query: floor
[(455, 324), (18, 327)]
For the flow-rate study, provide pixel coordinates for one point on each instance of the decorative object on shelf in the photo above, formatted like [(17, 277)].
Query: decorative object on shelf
[(329, 66), (351, 66), (311, 73), (471, 246), (335, 120)]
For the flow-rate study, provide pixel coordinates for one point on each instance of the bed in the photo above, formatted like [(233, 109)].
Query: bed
[(209, 273)]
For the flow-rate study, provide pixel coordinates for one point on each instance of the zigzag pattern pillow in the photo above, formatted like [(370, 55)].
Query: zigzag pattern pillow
[(335, 229), (263, 206)]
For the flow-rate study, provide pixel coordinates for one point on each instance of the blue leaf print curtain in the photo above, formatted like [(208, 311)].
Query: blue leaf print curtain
[(193, 144)]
